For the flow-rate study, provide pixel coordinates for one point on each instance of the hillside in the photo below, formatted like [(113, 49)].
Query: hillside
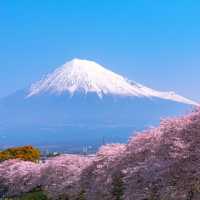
[(161, 163)]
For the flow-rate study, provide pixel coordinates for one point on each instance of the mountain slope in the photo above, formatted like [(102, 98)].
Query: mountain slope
[(80, 103), (88, 76)]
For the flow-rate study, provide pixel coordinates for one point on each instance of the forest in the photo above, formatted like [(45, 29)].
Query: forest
[(161, 163)]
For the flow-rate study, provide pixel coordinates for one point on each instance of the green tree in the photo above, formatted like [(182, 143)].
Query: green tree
[(81, 195), (118, 187), (35, 194)]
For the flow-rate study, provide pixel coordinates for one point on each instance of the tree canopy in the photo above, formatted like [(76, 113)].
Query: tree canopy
[(27, 153)]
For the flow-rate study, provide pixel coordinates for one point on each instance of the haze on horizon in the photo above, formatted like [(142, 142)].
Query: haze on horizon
[(154, 43)]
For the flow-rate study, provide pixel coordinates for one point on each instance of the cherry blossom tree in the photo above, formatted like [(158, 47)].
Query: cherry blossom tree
[(159, 163), (19, 177)]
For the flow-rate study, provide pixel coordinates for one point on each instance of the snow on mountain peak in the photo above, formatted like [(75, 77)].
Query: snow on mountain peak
[(88, 76)]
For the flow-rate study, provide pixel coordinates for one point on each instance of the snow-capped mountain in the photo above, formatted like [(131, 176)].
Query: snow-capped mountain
[(82, 102), (87, 76)]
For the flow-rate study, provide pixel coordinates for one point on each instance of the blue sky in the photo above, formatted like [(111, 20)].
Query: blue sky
[(156, 43)]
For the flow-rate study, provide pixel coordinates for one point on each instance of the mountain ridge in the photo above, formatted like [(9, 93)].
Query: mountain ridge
[(60, 118), (87, 76)]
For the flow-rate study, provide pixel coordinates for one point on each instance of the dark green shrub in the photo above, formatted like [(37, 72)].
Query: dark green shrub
[(81, 195), (118, 187)]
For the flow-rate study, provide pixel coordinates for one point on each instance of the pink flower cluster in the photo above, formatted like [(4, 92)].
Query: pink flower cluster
[(160, 163)]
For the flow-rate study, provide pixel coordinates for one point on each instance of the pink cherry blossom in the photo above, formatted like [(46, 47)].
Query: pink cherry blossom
[(159, 163)]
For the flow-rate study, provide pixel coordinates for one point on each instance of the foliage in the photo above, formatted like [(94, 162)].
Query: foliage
[(118, 187), (61, 175), (53, 154), (160, 163), (24, 153), (36, 194), (81, 195), (18, 177)]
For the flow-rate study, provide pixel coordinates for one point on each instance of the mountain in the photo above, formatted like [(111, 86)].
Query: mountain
[(82, 102), (89, 77)]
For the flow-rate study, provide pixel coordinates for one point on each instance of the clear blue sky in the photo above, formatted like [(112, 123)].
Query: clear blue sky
[(154, 42)]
